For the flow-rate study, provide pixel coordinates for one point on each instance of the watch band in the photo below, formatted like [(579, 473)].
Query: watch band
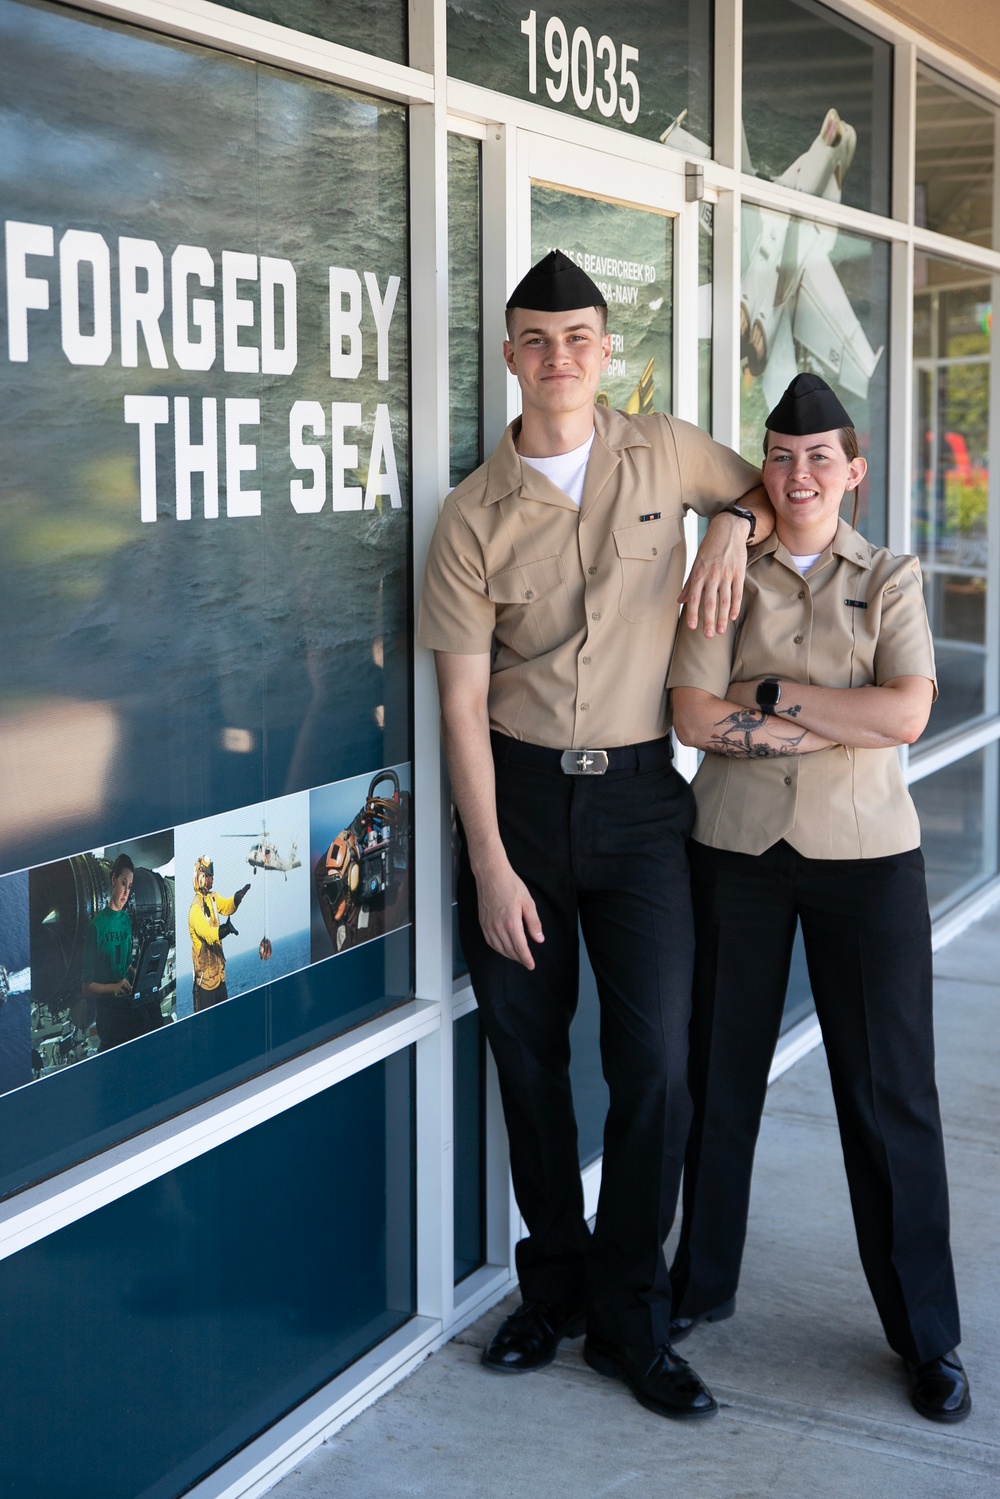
[(744, 514), (768, 695)]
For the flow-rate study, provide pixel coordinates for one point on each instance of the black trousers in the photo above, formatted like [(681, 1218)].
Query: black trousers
[(607, 852), (866, 930)]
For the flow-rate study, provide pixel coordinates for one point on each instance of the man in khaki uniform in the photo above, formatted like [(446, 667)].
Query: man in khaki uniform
[(550, 602)]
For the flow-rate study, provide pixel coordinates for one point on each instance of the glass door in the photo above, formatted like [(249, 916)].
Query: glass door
[(622, 222)]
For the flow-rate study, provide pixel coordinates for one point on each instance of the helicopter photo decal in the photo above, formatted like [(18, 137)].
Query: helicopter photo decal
[(265, 854), (241, 932)]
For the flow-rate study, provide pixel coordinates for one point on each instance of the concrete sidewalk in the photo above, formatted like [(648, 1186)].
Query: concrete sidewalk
[(814, 1403)]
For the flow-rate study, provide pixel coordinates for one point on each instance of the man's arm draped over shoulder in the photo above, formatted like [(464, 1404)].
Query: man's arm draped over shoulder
[(714, 587), (507, 912), (712, 477)]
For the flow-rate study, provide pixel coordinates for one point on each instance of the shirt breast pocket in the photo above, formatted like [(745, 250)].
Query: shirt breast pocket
[(644, 552), (532, 605)]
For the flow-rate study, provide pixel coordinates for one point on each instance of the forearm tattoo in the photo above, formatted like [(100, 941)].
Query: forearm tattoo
[(750, 734)]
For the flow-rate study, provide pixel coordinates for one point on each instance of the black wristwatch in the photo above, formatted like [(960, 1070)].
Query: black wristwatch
[(768, 694), (744, 514)]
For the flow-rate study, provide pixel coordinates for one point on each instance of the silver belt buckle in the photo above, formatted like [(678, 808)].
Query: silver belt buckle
[(584, 762)]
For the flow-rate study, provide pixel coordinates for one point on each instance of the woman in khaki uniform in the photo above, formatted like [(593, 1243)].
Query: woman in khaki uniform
[(804, 816)]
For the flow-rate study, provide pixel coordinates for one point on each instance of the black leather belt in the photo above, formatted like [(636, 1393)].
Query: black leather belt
[(582, 762)]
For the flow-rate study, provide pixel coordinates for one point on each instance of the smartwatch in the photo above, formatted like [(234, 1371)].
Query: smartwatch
[(744, 514), (768, 694)]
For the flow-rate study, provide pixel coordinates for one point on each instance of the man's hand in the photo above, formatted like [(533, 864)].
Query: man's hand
[(240, 894), (227, 929), (507, 914), (714, 588)]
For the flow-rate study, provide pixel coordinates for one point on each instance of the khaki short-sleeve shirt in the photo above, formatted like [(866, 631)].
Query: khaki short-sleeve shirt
[(856, 619), (578, 607)]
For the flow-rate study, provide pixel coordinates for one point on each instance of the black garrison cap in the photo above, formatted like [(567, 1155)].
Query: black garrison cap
[(808, 405), (555, 284)]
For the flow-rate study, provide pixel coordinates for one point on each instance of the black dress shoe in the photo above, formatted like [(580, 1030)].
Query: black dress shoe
[(529, 1337), (939, 1389), (658, 1378), (681, 1326)]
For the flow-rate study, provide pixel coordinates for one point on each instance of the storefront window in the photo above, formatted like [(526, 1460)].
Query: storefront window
[(469, 1154), (459, 966), (205, 527), (629, 254), (952, 335), (211, 1301), (465, 346), (378, 26), (817, 102), (955, 159), (642, 68), (816, 298), (465, 372), (706, 250), (958, 809)]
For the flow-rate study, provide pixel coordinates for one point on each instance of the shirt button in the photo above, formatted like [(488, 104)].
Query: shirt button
[(591, 571), (586, 660), (654, 551), (788, 780), (584, 707), (529, 594), (596, 614), (802, 593), (798, 640)]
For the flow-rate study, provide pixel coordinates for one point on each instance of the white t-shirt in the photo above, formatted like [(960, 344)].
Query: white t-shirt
[(804, 563), (566, 471)]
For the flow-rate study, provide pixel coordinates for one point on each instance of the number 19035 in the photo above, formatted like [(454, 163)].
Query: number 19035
[(603, 74)]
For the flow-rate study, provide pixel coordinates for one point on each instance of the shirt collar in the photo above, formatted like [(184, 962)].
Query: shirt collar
[(847, 543), (852, 546), (506, 474)]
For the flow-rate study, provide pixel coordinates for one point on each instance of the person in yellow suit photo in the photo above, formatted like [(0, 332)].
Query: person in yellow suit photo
[(207, 955)]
